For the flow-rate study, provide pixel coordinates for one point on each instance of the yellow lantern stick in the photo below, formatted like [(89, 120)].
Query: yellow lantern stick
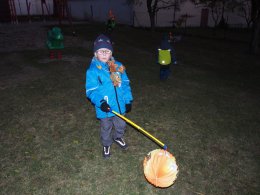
[(141, 130)]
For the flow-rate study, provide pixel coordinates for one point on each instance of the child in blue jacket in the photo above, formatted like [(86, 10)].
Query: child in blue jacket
[(108, 88)]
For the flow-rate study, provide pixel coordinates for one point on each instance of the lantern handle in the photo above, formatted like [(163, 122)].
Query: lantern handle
[(141, 129)]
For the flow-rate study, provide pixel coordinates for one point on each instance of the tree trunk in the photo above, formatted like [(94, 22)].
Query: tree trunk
[(174, 16), (254, 42), (152, 11), (255, 36), (215, 19), (152, 21)]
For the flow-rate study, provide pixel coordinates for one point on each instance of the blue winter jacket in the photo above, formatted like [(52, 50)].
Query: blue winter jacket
[(100, 87)]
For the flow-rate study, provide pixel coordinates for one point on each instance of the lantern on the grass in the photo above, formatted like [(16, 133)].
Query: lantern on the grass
[(160, 168)]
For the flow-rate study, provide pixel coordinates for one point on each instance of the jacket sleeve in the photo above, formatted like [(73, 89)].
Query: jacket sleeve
[(92, 87), (126, 88)]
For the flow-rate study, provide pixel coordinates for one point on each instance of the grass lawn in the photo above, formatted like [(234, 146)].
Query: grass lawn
[(207, 113)]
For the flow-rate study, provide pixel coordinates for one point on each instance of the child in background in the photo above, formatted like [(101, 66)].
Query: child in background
[(108, 88), (110, 25), (166, 56)]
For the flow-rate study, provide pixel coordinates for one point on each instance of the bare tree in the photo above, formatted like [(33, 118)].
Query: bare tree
[(175, 9), (243, 9), (217, 8), (154, 6), (152, 10), (255, 14)]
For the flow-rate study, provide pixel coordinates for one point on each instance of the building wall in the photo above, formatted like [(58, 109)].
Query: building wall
[(98, 10), (165, 17), (126, 14), (35, 8)]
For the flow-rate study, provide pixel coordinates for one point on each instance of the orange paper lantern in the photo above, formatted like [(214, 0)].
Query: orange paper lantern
[(160, 168)]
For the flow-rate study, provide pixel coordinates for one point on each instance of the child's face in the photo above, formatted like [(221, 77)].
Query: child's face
[(103, 55)]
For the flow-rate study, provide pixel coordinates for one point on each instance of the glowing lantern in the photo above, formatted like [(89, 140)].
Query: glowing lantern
[(160, 168)]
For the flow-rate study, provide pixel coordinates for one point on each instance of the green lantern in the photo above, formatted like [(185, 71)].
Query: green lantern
[(55, 39)]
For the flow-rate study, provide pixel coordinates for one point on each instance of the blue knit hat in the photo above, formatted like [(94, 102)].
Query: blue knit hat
[(102, 41)]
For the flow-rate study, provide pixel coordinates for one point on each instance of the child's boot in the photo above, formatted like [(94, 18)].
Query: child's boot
[(106, 151), (121, 143)]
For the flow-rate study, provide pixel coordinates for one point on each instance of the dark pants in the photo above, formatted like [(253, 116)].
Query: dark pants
[(107, 134), (164, 72)]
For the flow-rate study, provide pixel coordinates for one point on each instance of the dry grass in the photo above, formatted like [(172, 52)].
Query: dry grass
[(207, 113)]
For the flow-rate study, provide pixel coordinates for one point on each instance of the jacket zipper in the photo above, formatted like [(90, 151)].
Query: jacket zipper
[(117, 99)]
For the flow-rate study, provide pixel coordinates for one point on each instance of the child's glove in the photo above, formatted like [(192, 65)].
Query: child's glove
[(105, 107), (128, 108)]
